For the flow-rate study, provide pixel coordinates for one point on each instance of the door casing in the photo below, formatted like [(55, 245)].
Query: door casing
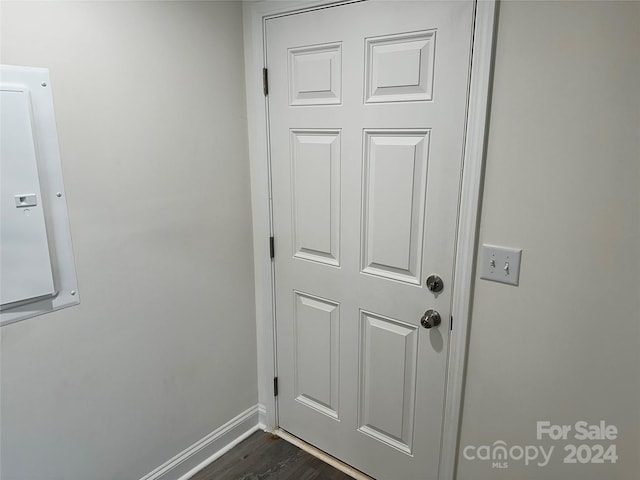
[(254, 18)]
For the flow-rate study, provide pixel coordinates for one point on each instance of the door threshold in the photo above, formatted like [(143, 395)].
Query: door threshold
[(325, 457)]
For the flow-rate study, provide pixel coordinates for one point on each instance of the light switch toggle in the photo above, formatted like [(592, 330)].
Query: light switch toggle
[(28, 200)]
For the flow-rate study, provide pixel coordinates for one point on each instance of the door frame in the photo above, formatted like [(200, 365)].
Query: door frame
[(255, 15)]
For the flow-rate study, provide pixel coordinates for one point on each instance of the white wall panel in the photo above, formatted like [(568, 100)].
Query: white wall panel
[(25, 262), (37, 266), (562, 182), (150, 109)]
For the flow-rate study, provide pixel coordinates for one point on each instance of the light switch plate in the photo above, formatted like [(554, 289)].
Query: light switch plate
[(500, 264)]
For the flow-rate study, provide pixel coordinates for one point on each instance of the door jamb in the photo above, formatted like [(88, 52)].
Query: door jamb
[(254, 16)]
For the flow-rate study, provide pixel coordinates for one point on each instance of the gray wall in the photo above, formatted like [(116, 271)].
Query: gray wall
[(161, 351), (149, 99), (563, 183)]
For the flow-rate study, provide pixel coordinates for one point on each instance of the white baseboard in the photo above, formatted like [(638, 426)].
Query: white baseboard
[(262, 416), (190, 461)]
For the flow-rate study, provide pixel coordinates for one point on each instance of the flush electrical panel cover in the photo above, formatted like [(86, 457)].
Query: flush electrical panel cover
[(37, 272)]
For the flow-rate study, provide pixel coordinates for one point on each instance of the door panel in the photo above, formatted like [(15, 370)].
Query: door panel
[(388, 350), (395, 180), (317, 328), (399, 68), (316, 195), (367, 109), (316, 75)]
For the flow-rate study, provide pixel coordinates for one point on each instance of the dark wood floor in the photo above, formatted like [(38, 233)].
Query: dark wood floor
[(263, 456)]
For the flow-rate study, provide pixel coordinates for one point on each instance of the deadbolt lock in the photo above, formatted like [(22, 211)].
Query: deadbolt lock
[(435, 283)]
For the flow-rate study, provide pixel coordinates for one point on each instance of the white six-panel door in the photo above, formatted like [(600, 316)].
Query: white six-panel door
[(367, 107)]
